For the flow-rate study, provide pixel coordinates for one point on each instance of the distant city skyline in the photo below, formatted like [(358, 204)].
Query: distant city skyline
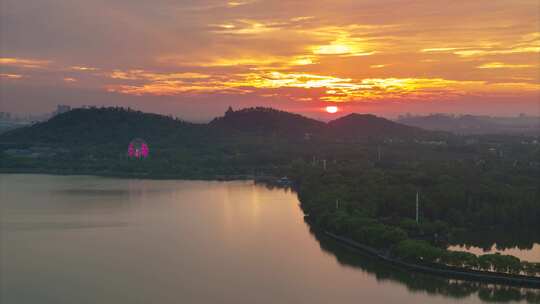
[(193, 59)]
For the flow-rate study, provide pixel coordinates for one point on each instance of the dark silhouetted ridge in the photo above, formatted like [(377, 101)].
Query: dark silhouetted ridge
[(266, 121), (366, 125), (99, 126), (472, 124), (113, 126)]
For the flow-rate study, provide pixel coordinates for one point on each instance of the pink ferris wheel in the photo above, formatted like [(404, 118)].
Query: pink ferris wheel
[(138, 149)]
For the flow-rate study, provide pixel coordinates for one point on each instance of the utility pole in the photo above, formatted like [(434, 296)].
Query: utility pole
[(417, 206)]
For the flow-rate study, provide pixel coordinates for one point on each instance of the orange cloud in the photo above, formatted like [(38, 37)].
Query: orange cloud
[(25, 63), (11, 76), (440, 49), (480, 52), (83, 68), (145, 75), (501, 65), (327, 88)]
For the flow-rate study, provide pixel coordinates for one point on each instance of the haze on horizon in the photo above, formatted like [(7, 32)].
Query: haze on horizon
[(195, 58)]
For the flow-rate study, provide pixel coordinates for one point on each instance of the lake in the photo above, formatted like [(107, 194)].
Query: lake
[(84, 239)]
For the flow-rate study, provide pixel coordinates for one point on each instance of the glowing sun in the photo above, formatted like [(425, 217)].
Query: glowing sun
[(331, 109)]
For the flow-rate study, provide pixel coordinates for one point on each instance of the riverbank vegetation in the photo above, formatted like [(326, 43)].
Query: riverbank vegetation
[(422, 282), (376, 207)]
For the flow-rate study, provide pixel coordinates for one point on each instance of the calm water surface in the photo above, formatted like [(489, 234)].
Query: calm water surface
[(81, 239)]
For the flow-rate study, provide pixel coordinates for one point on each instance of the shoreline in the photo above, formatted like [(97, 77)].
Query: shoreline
[(257, 179), (443, 270), (217, 177)]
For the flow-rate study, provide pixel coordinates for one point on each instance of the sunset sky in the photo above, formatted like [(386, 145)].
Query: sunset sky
[(195, 58)]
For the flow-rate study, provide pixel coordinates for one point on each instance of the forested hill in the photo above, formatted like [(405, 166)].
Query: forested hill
[(362, 125), (114, 125), (101, 126), (266, 121)]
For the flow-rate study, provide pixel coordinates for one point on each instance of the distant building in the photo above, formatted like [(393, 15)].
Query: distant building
[(61, 109), (5, 116)]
